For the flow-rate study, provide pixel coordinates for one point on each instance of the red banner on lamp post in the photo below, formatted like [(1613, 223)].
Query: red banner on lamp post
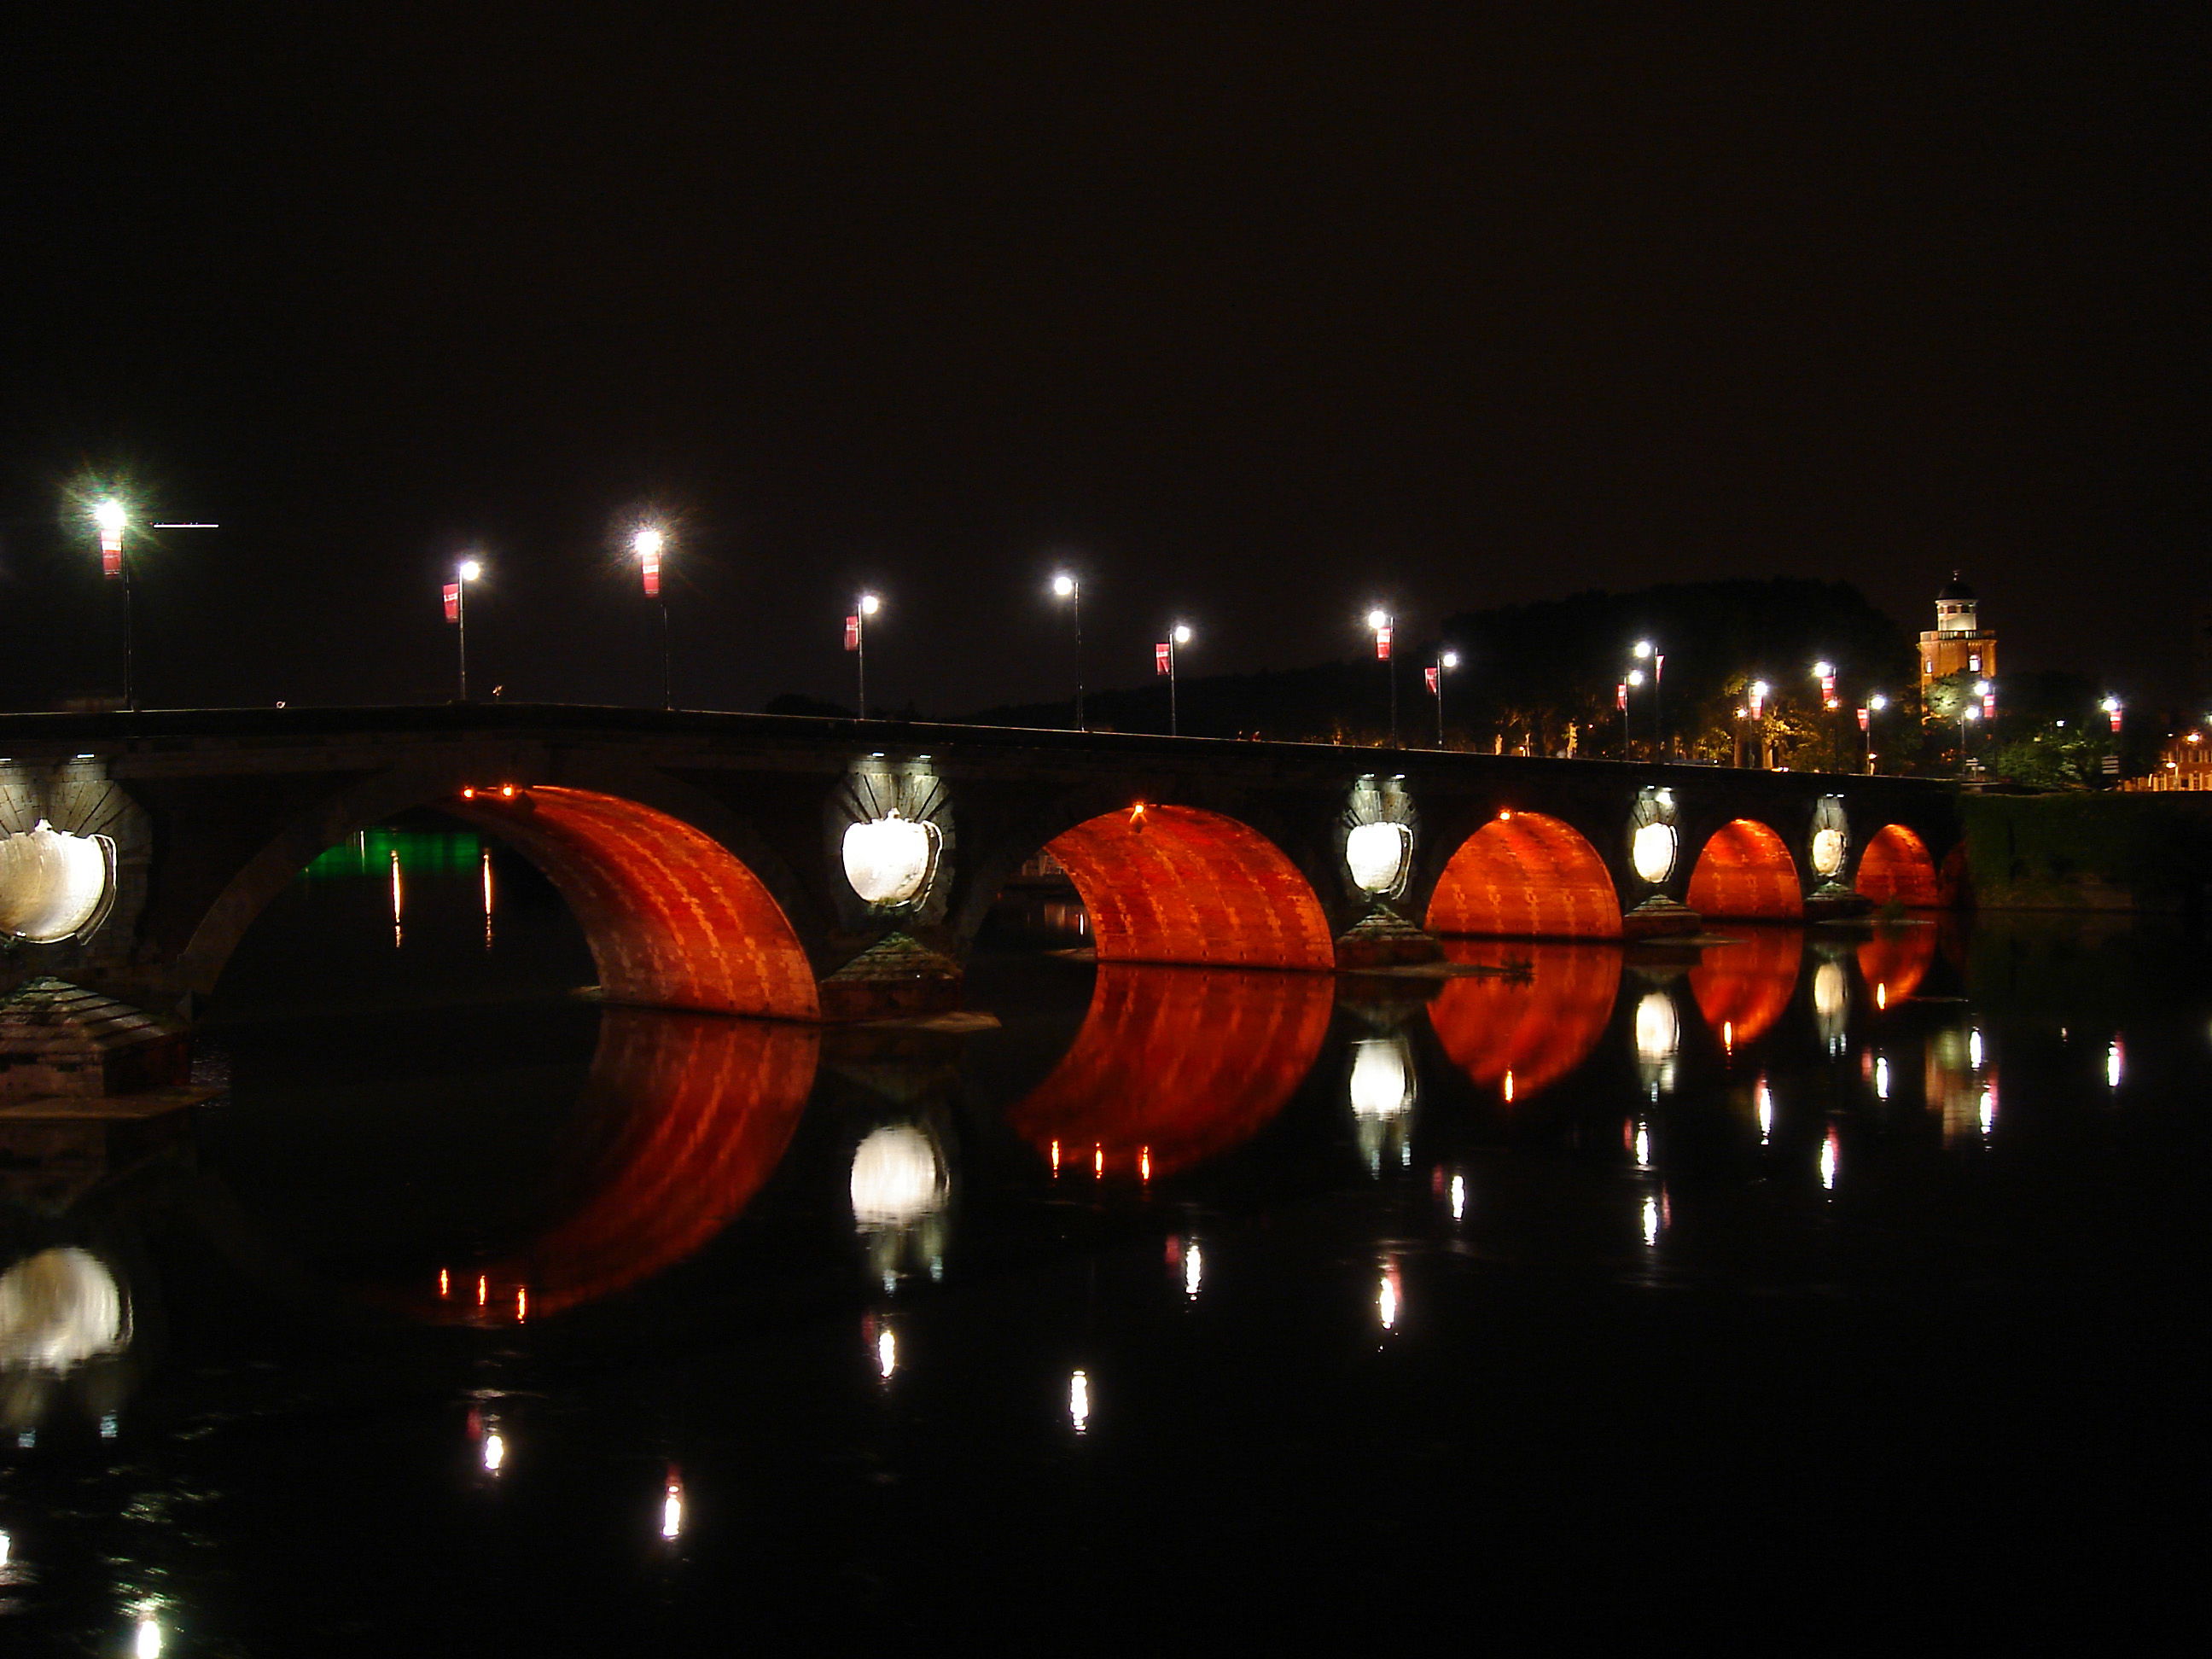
[(1620, 695), (650, 564), (853, 632), (1430, 675), (453, 602), (1163, 658), (110, 552), (1866, 719), (1382, 643)]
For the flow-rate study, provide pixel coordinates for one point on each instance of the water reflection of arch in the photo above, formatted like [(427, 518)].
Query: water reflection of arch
[(1894, 962), (1745, 873), (1177, 1066), (1535, 1028), (1741, 988), (683, 1117), (1525, 875)]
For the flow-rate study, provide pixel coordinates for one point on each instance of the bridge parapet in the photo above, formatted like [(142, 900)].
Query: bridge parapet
[(1185, 850)]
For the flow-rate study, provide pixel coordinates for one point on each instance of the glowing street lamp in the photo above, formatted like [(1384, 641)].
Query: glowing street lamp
[(1446, 660), (649, 542), (1065, 586), (1874, 705), (457, 611), (1164, 662), (1378, 621), (2112, 706), (111, 517), (856, 640)]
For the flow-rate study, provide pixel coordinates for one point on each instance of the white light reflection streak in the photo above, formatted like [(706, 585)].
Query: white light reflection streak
[(1643, 1146), (1830, 1153), (494, 1451), (1079, 1402), (1974, 1049), (1989, 1106), (1651, 1219), (2116, 1059), (1389, 1300), (396, 899), (1763, 1098), (886, 1353), (1459, 1198), (1881, 1078), (1194, 1268), (487, 897), (672, 1510), (147, 1645)]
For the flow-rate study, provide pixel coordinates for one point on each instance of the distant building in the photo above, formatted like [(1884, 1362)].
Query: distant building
[(1958, 644)]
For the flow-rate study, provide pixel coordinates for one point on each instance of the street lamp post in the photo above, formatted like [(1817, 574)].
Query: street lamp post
[(1164, 662), (648, 545), (457, 611), (111, 517), (1066, 587), (1825, 673), (1759, 689), (1446, 660), (1379, 620), (1647, 652), (856, 640), (1970, 712), (1874, 704)]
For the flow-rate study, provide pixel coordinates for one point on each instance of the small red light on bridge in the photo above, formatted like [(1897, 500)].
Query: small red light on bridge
[(468, 794), (507, 790)]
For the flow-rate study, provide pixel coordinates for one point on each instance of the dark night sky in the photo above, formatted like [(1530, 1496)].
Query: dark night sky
[(1262, 311)]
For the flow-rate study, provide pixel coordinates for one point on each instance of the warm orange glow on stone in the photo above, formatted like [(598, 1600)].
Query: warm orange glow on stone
[(1743, 987), (683, 1117), (1522, 1034), (1745, 872), (1895, 961), (1173, 1065), (674, 920), (1896, 866), (1176, 884), (1526, 875)]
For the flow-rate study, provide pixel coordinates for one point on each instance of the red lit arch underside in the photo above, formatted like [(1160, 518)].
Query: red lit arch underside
[(1537, 1029), (1526, 877), (1894, 962), (1747, 872), (1177, 884), (674, 920), (1896, 867), (1185, 1064), (685, 1117), (1741, 988)]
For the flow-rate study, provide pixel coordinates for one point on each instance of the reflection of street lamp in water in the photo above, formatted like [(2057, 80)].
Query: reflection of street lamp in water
[(899, 1187), (1383, 1090)]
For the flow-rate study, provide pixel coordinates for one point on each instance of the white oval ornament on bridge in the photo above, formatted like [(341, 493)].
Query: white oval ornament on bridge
[(1651, 851), (54, 886), (1827, 852), (1378, 855), (889, 860)]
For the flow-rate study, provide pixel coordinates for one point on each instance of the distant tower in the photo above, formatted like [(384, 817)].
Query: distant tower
[(1958, 644)]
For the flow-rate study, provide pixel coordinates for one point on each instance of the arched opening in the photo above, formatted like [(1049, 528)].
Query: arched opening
[(1743, 987), (1746, 873), (1165, 883), (683, 1117), (1896, 868), (1173, 1067), (674, 920), (1518, 1034), (1526, 875)]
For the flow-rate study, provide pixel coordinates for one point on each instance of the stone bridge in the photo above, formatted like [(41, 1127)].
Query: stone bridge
[(811, 869)]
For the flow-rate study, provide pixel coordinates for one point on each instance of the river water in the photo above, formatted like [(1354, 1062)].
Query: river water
[(1811, 1288)]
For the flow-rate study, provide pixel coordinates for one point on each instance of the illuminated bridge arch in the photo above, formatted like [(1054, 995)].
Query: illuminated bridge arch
[(1171, 884), (1746, 873), (1896, 867), (1526, 875), (673, 918)]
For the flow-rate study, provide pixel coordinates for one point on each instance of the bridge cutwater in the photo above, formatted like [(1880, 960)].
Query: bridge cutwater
[(812, 869)]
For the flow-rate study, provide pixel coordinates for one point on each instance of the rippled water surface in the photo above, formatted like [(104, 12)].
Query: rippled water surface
[(1802, 1289)]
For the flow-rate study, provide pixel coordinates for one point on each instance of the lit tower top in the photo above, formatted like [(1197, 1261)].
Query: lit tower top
[(1958, 644)]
